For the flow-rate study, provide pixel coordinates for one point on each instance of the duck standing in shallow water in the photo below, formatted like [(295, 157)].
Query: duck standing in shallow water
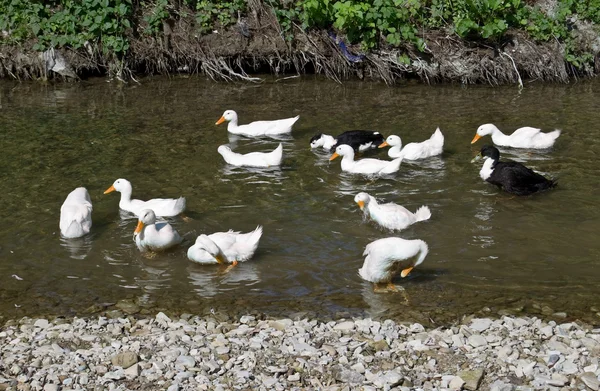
[(526, 137), (76, 214), (414, 151), (225, 247), (511, 177), (257, 128), (359, 140), (252, 159), (364, 166), (164, 207), (388, 256), (150, 236), (390, 215)]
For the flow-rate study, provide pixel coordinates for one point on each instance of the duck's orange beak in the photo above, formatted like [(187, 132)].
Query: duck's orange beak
[(220, 121), (139, 227), (361, 204), (335, 154), (109, 190), (406, 271), (383, 144), (477, 137)]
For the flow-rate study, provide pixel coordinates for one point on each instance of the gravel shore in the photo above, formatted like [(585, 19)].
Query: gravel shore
[(193, 353)]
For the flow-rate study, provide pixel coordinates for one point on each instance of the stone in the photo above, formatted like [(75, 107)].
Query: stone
[(344, 326), (472, 378), (480, 325), (477, 340), (558, 380), (499, 385), (128, 307), (186, 361), (456, 383), (41, 323), (346, 376), (132, 372), (124, 359), (590, 380)]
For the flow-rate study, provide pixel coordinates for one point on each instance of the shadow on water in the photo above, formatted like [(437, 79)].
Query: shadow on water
[(489, 252)]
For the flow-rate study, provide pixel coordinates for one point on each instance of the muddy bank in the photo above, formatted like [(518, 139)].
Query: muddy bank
[(258, 45)]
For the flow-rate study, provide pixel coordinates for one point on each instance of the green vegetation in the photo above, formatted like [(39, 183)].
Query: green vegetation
[(109, 25)]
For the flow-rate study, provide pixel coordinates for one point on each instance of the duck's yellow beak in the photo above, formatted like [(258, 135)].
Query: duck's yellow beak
[(406, 271), (383, 144), (220, 121), (335, 154), (139, 227), (109, 190), (361, 204), (477, 137)]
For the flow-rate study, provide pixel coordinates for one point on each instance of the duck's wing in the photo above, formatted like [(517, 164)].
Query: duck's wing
[(524, 134), (515, 178)]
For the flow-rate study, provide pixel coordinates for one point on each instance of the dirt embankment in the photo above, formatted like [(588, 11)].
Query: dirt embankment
[(257, 44)]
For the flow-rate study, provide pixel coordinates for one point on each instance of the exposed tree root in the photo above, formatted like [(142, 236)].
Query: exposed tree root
[(229, 55)]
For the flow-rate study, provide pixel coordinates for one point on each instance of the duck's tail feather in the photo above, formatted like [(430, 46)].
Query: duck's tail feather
[(423, 213)]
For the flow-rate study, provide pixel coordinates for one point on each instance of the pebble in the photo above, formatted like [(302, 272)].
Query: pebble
[(196, 353)]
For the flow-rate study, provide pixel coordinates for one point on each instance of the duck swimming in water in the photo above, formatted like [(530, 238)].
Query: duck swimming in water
[(414, 151), (364, 166), (526, 137), (257, 128), (163, 207), (76, 214), (152, 236), (252, 159), (390, 215), (359, 140), (512, 177)]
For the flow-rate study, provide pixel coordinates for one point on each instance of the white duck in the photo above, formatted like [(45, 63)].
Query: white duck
[(252, 159), (76, 214), (150, 236), (386, 257), (364, 166), (257, 128), (526, 137), (225, 247), (390, 215), (414, 151), (161, 206)]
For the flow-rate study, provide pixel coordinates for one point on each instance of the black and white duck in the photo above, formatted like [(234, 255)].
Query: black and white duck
[(512, 177), (359, 140)]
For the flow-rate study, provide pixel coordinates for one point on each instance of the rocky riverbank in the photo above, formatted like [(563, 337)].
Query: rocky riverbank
[(193, 353)]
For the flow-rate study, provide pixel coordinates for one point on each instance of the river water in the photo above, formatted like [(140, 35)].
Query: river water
[(489, 252)]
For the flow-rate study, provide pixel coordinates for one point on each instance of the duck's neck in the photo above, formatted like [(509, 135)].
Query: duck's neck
[(328, 141), (487, 168), (125, 197), (499, 138), (347, 161), (232, 125), (394, 152)]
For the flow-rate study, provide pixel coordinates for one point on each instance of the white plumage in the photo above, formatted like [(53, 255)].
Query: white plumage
[(76, 214), (526, 137), (257, 128), (252, 159), (161, 206), (225, 247), (386, 257), (414, 151), (364, 166), (390, 215), (150, 236)]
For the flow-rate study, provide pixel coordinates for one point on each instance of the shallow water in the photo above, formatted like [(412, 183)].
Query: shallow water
[(488, 250)]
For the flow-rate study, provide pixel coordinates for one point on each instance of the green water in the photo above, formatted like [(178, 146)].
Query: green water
[(487, 249)]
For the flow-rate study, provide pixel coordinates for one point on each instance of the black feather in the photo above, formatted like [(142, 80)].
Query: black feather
[(356, 138), (514, 177)]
